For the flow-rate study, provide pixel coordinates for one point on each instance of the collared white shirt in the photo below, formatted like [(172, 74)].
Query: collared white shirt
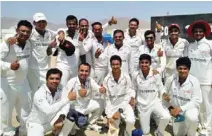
[(186, 96), (40, 59), (200, 53), (124, 52), (45, 106), (11, 53), (134, 43), (173, 53), (117, 93), (74, 83), (158, 63), (68, 62), (147, 89)]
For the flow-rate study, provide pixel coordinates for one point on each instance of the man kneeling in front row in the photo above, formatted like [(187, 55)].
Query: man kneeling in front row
[(46, 103), (184, 97)]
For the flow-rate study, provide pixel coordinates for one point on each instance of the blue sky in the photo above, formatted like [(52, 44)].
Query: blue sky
[(57, 11)]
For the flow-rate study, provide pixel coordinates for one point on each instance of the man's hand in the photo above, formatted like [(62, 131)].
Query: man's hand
[(61, 36), (116, 115), (12, 40), (72, 95), (98, 53), (160, 53), (158, 26), (102, 89), (15, 65), (174, 112), (112, 21), (82, 92), (166, 97), (81, 36), (155, 72), (132, 102)]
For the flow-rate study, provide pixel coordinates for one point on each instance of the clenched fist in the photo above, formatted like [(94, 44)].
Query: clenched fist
[(82, 92), (15, 65)]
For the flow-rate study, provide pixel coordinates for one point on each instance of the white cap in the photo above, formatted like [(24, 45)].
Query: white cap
[(39, 16)]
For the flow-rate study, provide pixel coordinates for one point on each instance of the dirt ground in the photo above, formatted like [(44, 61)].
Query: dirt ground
[(93, 133)]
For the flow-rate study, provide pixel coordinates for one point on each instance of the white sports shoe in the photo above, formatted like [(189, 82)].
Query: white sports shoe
[(94, 127)]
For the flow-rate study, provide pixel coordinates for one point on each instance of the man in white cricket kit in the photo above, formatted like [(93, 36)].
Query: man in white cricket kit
[(84, 87), (200, 53), (184, 95), (174, 48), (156, 52), (120, 49), (15, 58), (40, 38), (47, 102), (148, 87), (120, 94), (5, 120), (135, 39)]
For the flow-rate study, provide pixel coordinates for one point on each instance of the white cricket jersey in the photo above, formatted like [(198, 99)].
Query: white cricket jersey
[(68, 62), (147, 89), (124, 52), (98, 63), (11, 53), (117, 93), (186, 96), (134, 42), (200, 54), (40, 59), (158, 63), (86, 47), (45, 106), (74, 83), (173, 53)]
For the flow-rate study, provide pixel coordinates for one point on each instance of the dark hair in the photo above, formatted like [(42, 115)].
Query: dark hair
[(135, 20), (86, 64), (71, 17), (201, 26), (148, 32), (53, 71), (183, 61), (82, 20), (96, 23), (115, 57), (118, 31), (24, 23), (145, 57)]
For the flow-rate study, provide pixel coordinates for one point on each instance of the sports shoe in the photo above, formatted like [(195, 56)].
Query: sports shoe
[(94, 127), (158, 133)]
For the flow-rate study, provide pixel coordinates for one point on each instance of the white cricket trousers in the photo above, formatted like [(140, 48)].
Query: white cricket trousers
[(189, 125), (36, 77), (20, 97), (159, 111), (67, 75), (128, 116), (35, 129), (206, 106), (5, 119)]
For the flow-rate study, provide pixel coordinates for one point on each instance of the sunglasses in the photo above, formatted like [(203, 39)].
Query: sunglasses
[(149, 38)]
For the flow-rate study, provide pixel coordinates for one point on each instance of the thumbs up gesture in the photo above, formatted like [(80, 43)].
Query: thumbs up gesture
[(112, 21), (158, 26), (102, 89), (15, 65), (160, 53), (82, 92)]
